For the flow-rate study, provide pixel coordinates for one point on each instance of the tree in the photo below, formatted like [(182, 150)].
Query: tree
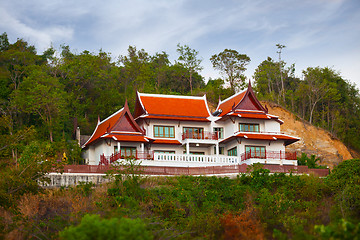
[(232, 65), (280, 47), (188, 58), (43, 95)]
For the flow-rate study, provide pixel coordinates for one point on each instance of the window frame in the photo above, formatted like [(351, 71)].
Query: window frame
[(232, 151), (256, 154), (248, 126), (164, 131), (220, 133), (193, 134), (221, 150)]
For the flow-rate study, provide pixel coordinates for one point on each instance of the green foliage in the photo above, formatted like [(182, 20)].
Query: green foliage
[(232, 65), (322, 97), (342, 230), (93, 227), (346, 173), (311, 161)]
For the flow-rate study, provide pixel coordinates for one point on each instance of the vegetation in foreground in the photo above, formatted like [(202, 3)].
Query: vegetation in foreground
[(253, 206)]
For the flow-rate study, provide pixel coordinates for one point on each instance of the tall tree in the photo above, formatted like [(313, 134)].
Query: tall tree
[(43, 95), (189, 59), (232, 65), (280, 47)]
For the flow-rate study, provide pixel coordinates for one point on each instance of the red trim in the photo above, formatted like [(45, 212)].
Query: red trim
[(176, 118), (260, 136), (166, 141), (114, 123), (127, 138)]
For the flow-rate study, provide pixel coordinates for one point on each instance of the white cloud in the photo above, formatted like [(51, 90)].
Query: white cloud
[(41, 37)]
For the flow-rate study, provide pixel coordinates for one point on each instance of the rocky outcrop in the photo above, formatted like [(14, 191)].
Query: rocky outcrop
[(313, 140)]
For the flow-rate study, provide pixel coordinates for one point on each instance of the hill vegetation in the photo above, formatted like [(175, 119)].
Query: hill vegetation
[(45, 97), (253, 206)]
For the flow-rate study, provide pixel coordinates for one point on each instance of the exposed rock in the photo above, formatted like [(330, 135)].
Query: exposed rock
[(313, 140)]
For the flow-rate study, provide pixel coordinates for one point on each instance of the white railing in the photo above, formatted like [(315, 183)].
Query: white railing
[(196, 158), (282, 158)]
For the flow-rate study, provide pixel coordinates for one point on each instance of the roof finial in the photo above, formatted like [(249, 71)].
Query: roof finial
[(99, 119)]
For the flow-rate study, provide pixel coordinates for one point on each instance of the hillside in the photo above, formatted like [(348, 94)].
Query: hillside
[(313, 140)]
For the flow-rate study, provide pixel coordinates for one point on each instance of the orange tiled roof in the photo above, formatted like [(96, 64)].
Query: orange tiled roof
[(120, 126), (166, 141), (179, 118), (262, 136), (227, 104), (174, 107), (127, 137), (103, 127)]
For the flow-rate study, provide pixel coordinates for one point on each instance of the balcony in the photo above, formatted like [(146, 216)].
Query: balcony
[(204, 135)]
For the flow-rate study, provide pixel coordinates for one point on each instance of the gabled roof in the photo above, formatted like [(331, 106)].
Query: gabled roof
[(244, 105), (245, 100), (171, 107), (262, 136), (120, 126)]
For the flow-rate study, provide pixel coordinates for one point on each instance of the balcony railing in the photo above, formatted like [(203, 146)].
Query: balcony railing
[(268, 155), (201, 135), (150, 155), (106, 160), (281, 155)]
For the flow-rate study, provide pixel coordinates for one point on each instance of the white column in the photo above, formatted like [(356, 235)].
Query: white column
[(118, 145), (217, 149), (142, 147), (187, 148)]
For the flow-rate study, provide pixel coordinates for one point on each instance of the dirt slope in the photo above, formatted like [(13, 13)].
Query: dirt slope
[(313, 140)]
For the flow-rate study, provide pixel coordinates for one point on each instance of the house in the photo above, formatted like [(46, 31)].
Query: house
[(176, 128)]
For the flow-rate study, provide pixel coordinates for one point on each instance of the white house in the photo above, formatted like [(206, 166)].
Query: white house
[(175, 128)]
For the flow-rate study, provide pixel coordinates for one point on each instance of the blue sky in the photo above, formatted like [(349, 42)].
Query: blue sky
[(315, 32)]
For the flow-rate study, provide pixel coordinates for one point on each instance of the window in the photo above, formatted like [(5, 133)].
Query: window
[(221, 150), (219, 131), (249, 127), (194, 132), (256, 151), (195, 153), (232, 152), (127, 151), (164, 131), (164, 152)]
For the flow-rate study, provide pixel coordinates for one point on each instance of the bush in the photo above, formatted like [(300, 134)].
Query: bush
[(93, 227)]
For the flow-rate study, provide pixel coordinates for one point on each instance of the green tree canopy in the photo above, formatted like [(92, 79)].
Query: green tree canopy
[(232, 65)]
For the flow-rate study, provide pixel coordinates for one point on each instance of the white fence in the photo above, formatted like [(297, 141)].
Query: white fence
[(166, 157), (196, 158)]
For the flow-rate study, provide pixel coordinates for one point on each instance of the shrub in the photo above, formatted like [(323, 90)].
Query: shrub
[(93, 227)]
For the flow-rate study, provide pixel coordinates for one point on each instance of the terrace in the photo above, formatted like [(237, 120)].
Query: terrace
[(268, 157)]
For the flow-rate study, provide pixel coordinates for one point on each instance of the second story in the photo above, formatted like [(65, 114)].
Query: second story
[(174, 118)]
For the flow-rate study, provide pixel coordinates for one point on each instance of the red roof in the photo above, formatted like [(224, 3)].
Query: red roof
[(179, 118), (227, 105), (245, 100), (159, 106), (127, 137), (166, 141), (121, 125), (262, 136), (103, 126), (253, 115)]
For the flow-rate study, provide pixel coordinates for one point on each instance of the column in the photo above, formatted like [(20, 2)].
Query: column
[(118, 146), (187, 148)]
